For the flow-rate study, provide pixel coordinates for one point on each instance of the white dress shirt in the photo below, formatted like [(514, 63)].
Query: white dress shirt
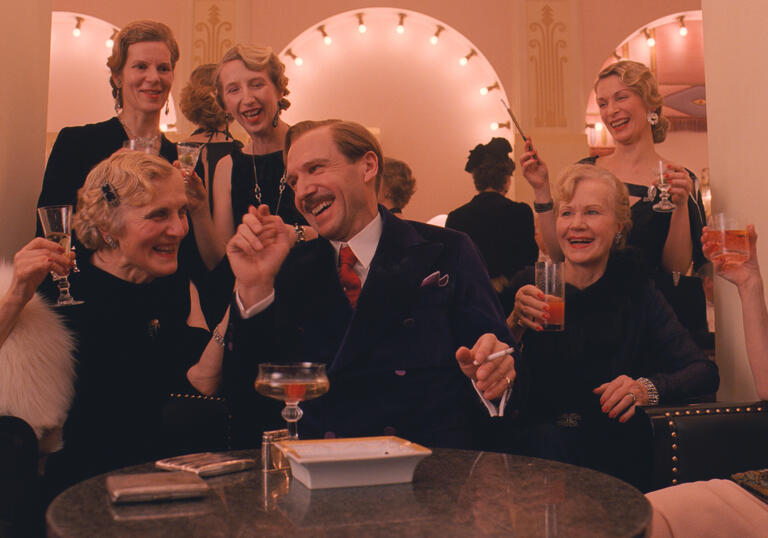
[(363, 246)]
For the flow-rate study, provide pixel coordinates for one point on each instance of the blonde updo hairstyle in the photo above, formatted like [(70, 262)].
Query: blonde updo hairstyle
[(198, 103), (571, 176), (138, 32), (131, 176), (639, 78), (256, 58)]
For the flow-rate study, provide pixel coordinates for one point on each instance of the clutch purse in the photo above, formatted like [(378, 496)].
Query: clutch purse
[(143, 487), (756, 482), (205, 463)]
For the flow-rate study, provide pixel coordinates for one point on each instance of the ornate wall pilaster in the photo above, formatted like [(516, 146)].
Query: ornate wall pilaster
[(547, 41), (213, 30)]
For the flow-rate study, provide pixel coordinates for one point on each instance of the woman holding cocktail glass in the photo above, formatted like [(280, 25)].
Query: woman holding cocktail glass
[(621, 346), (251, 87), (133, 342), (631, 109)]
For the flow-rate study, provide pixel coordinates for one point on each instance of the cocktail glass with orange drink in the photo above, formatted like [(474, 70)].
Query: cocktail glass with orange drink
[(292, 383)]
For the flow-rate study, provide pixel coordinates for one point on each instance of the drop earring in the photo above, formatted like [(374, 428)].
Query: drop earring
[(110, 241), (653, 118), (166, 106), (118, 99), (276, 118)]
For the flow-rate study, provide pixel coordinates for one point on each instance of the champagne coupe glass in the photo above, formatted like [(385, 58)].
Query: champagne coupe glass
[(292, 383), (188, 154), (664, 205), (57, 227)]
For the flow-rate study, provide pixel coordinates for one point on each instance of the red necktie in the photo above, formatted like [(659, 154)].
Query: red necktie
[(349, 279)]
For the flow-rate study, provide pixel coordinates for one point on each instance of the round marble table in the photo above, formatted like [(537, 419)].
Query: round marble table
[(453, 493)]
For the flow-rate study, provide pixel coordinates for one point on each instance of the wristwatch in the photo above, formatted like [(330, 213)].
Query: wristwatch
[(543, 208), (299, 229)]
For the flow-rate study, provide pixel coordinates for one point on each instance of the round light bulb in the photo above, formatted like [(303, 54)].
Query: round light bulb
[(164, 127), (400, 29), (433, 40), (494, 126), (463, 61), (683, 31), (298, 61), (76, 32), (361, 28), (651, 42), (483, 91), (327, 40), (598, 126), (109, 43)]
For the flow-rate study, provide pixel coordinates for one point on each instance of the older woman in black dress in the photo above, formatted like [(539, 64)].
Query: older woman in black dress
[(622, 345), (133, 341)]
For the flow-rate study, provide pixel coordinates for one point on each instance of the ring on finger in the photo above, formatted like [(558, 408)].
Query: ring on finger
[(508, 380), (520, 322), (632, 395)]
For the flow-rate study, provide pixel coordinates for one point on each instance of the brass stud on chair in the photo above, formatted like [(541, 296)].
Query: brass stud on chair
[(674, 458), (674, 470), (749, 409), (708, 411), (671, 423), (667, 414), (674, 447), (674, 481), (673, 434), (677, 413), (698, 411), (738, 409), (687, 412)]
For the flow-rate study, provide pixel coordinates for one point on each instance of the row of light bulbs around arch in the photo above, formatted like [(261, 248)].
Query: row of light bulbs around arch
[(650, 33), (400, 29), (78, 30)]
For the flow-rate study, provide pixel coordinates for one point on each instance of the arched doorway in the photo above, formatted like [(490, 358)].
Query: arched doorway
[(412, 90)]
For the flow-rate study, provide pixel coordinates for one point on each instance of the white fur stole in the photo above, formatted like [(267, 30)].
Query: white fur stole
[(37, 366)]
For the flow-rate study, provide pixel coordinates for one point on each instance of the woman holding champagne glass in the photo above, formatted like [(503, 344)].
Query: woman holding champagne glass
[(621, 347), (631, 109), (133, 344)]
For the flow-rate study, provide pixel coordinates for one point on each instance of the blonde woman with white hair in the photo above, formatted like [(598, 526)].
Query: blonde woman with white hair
[(133, 342)]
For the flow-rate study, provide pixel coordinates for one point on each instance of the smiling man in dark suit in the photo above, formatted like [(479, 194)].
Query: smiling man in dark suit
[(402, 313)]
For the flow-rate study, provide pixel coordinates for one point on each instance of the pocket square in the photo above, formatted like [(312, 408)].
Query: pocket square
[(435, 279)]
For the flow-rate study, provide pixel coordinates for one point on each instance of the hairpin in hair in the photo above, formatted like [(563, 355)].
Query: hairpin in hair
[(110, 195)]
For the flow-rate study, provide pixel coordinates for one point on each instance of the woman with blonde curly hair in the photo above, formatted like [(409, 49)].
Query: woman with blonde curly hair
[(198, 104), (631, 109), (133, 344)]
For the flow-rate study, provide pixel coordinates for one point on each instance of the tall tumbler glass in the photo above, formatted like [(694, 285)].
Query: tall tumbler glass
[(550, 279)]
